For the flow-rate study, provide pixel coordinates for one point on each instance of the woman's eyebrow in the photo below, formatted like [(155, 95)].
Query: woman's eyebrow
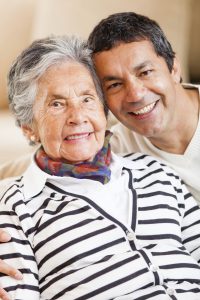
[(57, 96), (88, 92), (62, 96)]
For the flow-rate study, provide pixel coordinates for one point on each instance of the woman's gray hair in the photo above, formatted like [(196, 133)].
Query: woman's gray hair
[(33, 62)]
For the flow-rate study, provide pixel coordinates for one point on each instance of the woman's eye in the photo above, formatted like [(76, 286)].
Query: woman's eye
[(57, 103), (87, 99)]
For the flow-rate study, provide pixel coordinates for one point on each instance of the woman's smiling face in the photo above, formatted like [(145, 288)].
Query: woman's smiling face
[(69, 118)]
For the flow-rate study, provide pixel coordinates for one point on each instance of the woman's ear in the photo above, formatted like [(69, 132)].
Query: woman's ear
[(29, 133), (176, 70)]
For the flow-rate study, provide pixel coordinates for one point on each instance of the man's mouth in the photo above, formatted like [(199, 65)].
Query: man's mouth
[(145, 109), (77, 136)]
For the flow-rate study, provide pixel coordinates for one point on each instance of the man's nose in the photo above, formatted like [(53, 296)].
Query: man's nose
[(135, 90)]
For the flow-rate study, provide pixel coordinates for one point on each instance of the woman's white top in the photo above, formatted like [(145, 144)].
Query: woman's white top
[(136, 237)]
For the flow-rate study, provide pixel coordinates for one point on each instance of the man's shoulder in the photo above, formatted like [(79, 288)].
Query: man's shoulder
[(190, 85)]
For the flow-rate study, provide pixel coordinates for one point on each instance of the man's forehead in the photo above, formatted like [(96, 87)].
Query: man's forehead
[(130, 55)]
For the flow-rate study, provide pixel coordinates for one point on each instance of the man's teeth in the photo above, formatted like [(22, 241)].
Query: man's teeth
[(78, 136), (145, 109)]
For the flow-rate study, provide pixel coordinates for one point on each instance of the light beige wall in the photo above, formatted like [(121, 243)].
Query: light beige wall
[(194, 55), (21, 21), (80, 16), (15, 31)]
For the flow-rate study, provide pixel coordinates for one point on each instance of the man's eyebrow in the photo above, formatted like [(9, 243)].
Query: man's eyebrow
[(135, 68), (110, 78), (142, 65)]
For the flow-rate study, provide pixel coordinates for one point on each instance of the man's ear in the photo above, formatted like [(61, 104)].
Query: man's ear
[(29, 133), (176, 70)]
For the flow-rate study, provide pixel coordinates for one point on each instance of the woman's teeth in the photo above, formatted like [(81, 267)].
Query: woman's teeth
[(145, 109), (77, 136)]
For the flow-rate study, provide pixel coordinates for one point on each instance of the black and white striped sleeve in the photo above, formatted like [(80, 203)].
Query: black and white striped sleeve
[(18, 253)]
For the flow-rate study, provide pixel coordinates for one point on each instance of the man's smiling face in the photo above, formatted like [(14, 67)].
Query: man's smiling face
[(138, 86)]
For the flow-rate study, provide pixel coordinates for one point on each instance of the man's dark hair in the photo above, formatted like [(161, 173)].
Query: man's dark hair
[(130, 27)]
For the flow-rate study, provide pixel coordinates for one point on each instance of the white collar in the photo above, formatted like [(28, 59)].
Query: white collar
[(34, 178)]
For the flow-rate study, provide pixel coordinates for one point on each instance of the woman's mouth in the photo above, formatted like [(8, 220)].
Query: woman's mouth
[(77, 136)]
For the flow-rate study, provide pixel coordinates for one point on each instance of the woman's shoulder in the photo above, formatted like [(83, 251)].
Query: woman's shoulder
[(141, 161), (8, 186)]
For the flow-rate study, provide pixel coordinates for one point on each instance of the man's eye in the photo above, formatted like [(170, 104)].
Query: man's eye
[(113, 85), (146, 72)]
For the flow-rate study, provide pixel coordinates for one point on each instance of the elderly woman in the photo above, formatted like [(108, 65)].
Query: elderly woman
[(86, 224)]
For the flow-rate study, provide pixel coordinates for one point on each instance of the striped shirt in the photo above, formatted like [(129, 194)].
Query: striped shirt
[(137, 237)]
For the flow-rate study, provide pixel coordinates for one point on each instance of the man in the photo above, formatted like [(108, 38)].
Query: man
[(141, 80)]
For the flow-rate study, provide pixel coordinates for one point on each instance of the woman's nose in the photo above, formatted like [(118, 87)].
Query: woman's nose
[(76, 116)]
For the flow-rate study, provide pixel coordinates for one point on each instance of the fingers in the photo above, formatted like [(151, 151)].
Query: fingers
[(4, 236), (4, 295), (5, 268), (10, 271)]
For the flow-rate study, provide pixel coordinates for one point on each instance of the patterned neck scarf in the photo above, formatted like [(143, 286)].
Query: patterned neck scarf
[(98, 169)]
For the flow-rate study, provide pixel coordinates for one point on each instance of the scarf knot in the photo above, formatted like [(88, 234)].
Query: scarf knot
[(98, 169)]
